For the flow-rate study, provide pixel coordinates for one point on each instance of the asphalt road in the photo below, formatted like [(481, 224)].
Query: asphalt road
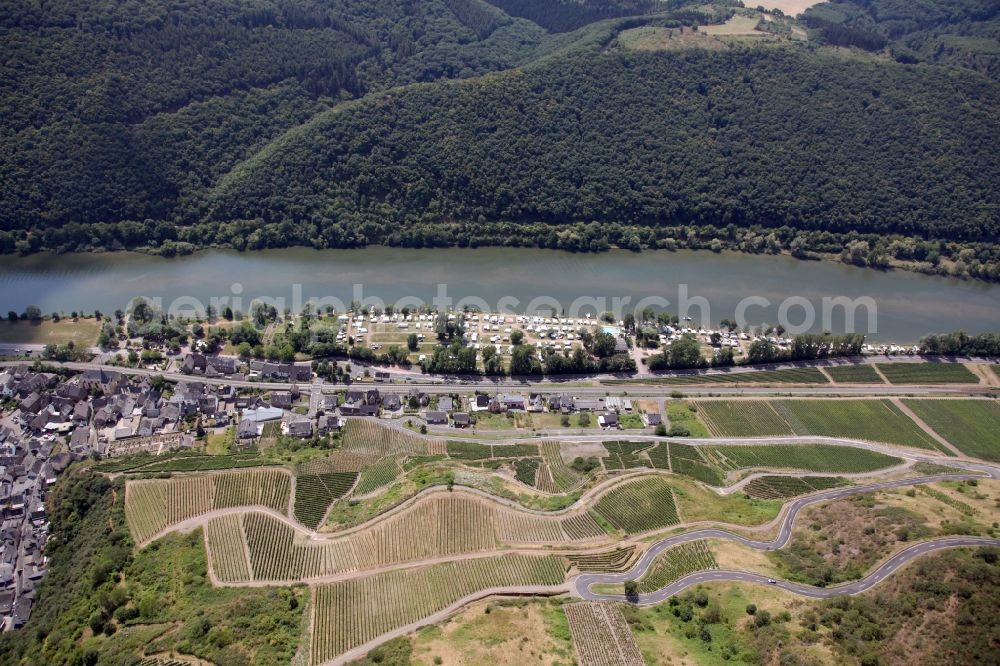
[(581, 584), (885, 570)]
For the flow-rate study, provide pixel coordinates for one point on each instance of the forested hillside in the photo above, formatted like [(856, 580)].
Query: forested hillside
[(963, 33), (112, 112), (171, 125)]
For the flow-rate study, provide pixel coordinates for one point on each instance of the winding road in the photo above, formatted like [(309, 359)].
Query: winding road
[(580, 586), (884, 570)]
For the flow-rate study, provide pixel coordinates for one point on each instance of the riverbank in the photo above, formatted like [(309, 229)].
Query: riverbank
[(890, 305)]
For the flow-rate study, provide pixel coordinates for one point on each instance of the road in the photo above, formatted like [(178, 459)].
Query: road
[(635, 391), (581, 585), (886, 569)]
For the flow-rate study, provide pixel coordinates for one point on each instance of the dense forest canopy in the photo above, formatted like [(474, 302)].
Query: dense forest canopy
[(171, 125), (769, 137)]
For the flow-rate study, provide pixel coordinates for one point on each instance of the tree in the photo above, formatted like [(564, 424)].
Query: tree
[(751, 609), (412, 343), (11, 316), (516, 336), (524, 362), (227, 313), (762, 619), (632, 591), (33, 313)]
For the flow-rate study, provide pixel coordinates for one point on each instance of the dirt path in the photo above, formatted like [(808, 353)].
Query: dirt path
[(828, 376), (926, 428)]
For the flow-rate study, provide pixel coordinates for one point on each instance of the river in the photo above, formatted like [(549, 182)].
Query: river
[(895, 305)]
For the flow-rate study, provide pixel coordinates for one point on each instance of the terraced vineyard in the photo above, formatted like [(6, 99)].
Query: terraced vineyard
[(873, 420), (526, 469), (227, 543), (314, 493), (742, 418), (777, 487), (927, 373), (180, 462), (374, 439), (811, 458), (469, 451), (973, 426), (476, 451), (378, 475), (442, 524), (544, 481), (675, 563), (153, 504), (854, 374), (624, 455), (601, 635), (610, 561), (659, 456), (386, 601), (639, 505), (564, 476), (687, 460)]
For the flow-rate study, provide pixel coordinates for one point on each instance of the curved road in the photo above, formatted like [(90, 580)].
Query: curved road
[(582, 583), (886, 569)]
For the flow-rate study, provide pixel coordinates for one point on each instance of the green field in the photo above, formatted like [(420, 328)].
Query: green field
[(810, 457), (742, 418), (971, 425), (854, 374), (927, 373), (873, 420), (639, 505), (684, 421), (82, 332)]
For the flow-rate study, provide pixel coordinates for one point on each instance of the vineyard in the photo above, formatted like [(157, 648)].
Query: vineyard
[(742, 418), (675, 563), (786, 376), (314, 493), (873, 420), (526, 469), (659, 456), (811, 458), (601, 635), (469, 451), (445, 524), (927, 373), (687, 460), (624, 455), (378, 475), (780, 487), (180, 462), (374, 439), (973, 426), (610, 561), (154, 504), (854, 374), (386, 601), (564, 476), (639, 505), (544, 481)]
